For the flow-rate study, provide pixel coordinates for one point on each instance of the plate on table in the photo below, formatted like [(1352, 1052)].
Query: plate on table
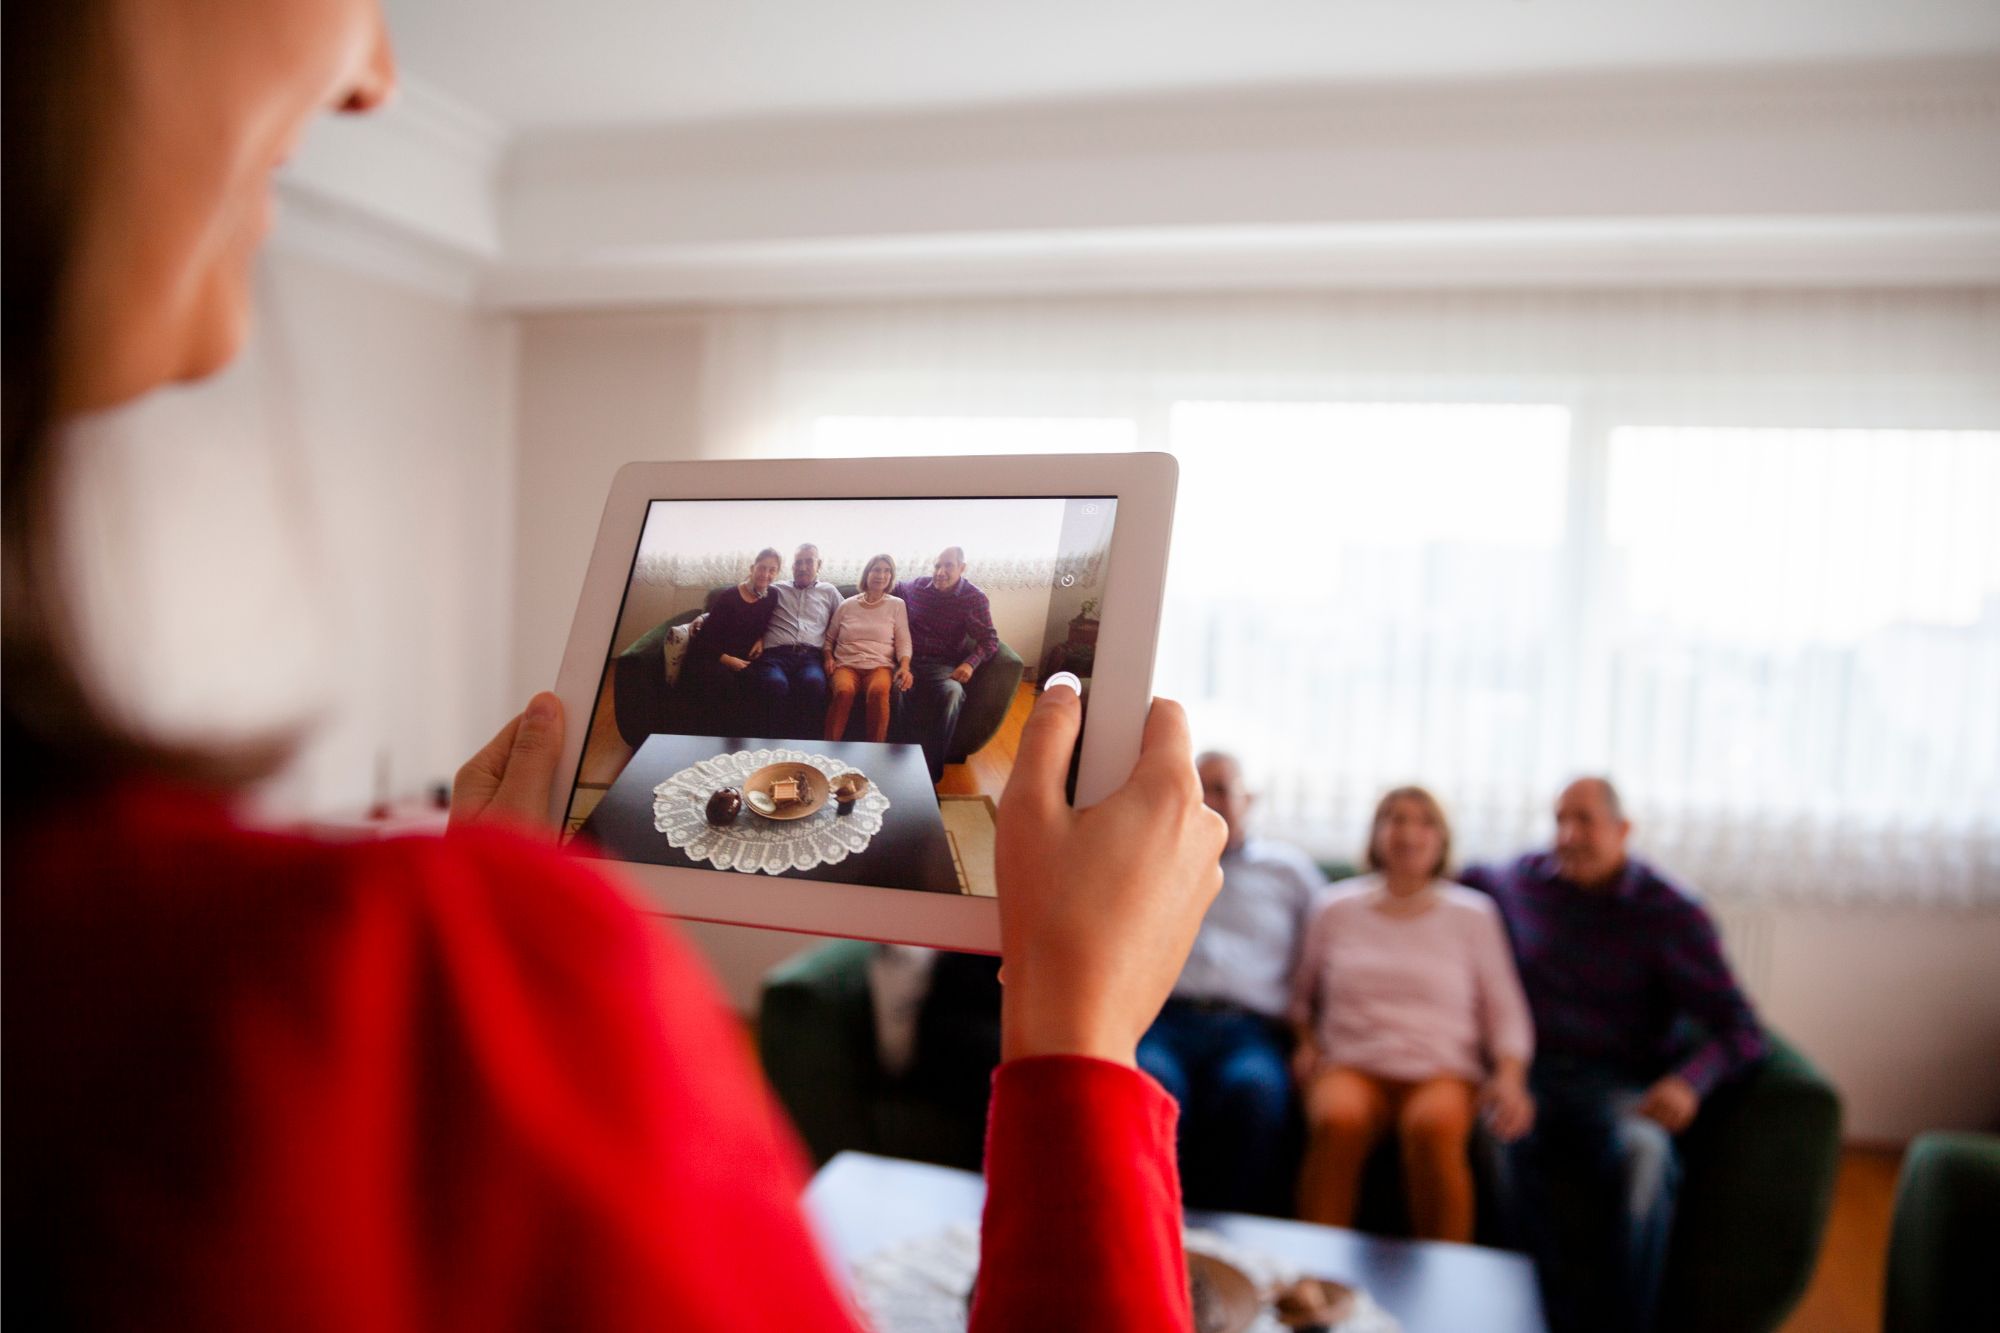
[(764, 791), (1225, 1300)]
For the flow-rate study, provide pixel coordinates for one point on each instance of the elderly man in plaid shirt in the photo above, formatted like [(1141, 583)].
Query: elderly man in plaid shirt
[(1637, 1019), (951, 633)]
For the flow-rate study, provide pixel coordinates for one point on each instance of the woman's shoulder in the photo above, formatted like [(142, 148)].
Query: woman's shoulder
[(182, 920), (1345, 895), (161, 859), (495, 1000)]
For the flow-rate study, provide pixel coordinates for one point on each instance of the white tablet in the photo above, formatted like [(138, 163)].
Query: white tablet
[(795, 688)]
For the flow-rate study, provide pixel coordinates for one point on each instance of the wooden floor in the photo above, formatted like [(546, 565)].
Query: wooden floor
[(985, 773), (1846, 1291)]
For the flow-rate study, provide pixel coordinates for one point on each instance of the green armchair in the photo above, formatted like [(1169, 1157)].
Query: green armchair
[(816, 1036), (1759, 1163), (644, 702), (1942, 1243)]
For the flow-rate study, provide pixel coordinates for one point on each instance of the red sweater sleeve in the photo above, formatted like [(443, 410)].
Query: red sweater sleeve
[(1083, 1206)]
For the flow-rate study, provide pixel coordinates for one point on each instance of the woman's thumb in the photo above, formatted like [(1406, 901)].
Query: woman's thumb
[(525, 788)]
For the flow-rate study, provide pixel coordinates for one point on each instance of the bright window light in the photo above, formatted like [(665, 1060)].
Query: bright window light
[(914, 437), (1807, 622), (1365, 594)]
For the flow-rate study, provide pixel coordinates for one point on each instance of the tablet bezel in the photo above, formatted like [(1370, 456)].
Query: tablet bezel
[(1143, 484)]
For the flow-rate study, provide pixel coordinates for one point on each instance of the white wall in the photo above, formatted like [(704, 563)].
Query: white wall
[(324, 531), (1899, 1008), (596, 393)]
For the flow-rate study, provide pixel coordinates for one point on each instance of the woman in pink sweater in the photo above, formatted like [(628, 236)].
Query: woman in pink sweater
[(867, 642), (1409, 1015)]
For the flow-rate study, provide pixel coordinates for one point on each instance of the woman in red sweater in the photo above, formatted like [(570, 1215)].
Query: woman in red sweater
[(255, 1081)]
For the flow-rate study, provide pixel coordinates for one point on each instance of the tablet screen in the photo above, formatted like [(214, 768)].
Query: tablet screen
[(834, 689)]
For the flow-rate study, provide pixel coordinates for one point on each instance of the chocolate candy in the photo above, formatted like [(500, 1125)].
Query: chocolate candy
[(724, 806)]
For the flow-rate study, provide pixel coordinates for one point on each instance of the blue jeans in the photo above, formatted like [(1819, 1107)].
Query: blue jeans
[(1591, 1193), (935, 702), (1228, 1069), (787, 689)]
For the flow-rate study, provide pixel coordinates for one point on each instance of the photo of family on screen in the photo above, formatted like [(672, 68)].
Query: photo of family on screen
[(834, 689)]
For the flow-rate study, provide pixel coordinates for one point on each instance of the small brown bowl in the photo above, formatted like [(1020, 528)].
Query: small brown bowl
[(758, 788)]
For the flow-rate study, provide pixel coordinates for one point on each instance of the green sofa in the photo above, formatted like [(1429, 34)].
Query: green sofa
[(1759, 1163), (1945, 1236), (644, 701)]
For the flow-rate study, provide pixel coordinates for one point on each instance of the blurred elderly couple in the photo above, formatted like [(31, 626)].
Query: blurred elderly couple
[(1575, 1001)]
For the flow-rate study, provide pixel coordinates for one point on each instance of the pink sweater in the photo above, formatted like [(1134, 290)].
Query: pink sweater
[(863, 636), (1411, 997)]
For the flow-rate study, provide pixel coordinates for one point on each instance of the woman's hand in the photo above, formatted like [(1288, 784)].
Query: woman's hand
[(1510, 1107), (1098, 907), (829, 666), (511, 780), (905, 678), (734, 663)]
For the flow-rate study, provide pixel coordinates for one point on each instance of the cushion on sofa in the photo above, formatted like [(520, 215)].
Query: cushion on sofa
[(675, 645)]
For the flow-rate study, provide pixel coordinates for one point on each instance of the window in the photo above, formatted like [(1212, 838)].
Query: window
[(1368, 594), (1783, 644), (1805, 625)]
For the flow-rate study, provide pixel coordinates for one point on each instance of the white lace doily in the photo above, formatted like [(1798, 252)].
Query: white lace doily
[(752, 843), (919, 1286)]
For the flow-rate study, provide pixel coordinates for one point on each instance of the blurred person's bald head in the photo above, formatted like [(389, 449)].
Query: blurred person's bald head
[(1591, 832)]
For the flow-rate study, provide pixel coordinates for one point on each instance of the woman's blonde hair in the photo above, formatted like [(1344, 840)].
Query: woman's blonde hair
[(1374, 859), (869, 568)]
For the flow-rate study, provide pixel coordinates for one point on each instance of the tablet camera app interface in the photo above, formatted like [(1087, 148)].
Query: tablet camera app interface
[(834, 689)]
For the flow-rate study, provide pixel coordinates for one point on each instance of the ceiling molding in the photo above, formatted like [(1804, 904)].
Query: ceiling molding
[(1938, 90), (315, 227), (1734, 252), (425, 165), (1875, 175)]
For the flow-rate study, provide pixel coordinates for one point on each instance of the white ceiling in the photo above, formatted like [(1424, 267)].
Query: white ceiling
[(538, 64)]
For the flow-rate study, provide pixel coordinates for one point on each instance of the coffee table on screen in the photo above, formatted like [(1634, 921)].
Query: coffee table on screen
[(911, 851), (862, 1204)]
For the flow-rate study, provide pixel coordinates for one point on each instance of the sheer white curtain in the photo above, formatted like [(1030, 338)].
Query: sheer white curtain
[(1736, 550)]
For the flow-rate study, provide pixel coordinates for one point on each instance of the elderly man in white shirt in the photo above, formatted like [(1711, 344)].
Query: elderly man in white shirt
[(1221, 1046), (787, 681)]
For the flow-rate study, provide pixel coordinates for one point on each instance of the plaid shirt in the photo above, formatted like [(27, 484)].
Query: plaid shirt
[(1616, 976), (941, 622)]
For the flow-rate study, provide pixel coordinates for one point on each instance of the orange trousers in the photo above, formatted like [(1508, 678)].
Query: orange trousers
[(1348, 1112), (846, 682)]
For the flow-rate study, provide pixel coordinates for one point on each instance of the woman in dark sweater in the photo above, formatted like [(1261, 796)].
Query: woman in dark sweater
[(729, 637)]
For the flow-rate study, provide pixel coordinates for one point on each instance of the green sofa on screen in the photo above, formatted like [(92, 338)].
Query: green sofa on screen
[(644, 702)]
